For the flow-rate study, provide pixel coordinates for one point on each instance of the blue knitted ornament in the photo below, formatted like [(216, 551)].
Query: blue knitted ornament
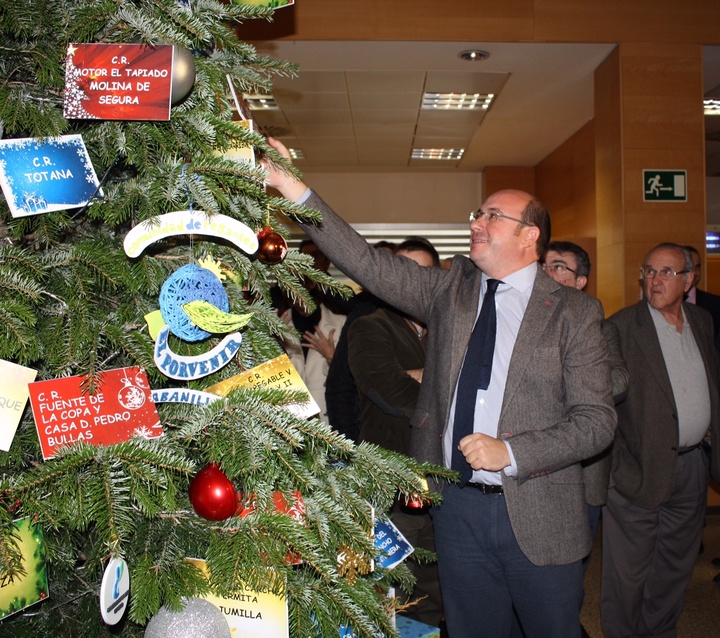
[(190, 283)]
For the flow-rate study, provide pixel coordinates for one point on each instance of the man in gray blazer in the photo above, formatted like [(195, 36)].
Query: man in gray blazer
[(653, 520), (511, 540), (569, 265)]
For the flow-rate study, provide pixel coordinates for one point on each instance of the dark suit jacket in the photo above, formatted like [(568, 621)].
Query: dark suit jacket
[(557, 408), (341, 393), (711, 303), (596, 470), (381, 347), (646, 445)]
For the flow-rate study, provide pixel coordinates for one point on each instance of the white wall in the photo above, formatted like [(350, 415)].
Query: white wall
[(400, 197)]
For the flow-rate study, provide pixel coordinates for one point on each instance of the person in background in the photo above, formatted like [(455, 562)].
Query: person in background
[(319, 329), (386, 354), (711, 303), (341, 394), (701, 298), (654, 516), (514, 409), (569, 264)]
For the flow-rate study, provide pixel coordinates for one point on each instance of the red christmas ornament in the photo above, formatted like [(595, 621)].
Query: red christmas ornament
[(272, 247), (414, 501), (212, 494)]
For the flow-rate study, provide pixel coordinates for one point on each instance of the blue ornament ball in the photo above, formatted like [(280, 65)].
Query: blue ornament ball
[(190, 283)]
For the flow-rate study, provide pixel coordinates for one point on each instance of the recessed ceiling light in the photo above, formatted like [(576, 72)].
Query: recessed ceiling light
[(296, 153), (712, 107), (457, 101), (437, 153), (258, 102), (474, 55)]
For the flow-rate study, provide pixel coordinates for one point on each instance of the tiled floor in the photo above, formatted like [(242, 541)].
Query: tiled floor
[(701, 616)]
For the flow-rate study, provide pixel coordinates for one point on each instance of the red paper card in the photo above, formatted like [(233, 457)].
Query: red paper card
[(295, 510), (121, 407), (118, 82)]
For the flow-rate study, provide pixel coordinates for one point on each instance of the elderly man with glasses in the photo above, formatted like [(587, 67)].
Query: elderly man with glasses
[(653, 520), (515, 394)]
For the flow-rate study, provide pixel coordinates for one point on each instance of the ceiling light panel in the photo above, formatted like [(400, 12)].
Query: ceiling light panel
[(259, 102), (456, 101), (712, 106), (437, 153)]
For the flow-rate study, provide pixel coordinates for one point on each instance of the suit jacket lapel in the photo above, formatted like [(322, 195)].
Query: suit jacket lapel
[(649, 344), (540, 310), (463, 317)]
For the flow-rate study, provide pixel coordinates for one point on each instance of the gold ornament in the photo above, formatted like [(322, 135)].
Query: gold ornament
[(351, 564)]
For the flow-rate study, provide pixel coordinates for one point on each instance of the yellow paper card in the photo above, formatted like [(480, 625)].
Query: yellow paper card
[(250, 613), (14, 394), (276, 373)]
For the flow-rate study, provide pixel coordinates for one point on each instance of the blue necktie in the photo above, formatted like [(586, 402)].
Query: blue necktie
[(474, 376)]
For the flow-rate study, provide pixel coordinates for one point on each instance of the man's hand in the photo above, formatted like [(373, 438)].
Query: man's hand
[(286, 184), (416, 374), (484, 452)]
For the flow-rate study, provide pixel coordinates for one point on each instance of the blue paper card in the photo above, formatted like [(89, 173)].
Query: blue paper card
[(409, 628), (42, 175), (394, 547)]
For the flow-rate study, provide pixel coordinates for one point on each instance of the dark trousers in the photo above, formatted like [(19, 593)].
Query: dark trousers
[(649, 554), (487, 581), (417, 528)]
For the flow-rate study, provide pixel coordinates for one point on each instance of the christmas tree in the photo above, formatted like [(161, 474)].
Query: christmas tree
[(73, 308)]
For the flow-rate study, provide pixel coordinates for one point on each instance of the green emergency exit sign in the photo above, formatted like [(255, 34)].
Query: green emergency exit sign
[(664, 186)]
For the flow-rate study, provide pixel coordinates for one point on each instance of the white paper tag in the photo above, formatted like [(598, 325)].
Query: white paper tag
[(114, 591)]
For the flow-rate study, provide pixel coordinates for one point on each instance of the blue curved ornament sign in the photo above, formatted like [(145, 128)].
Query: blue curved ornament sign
[(176, 366)]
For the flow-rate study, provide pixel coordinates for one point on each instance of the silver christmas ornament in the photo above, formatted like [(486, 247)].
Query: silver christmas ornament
[(183, 75), (199, 619)]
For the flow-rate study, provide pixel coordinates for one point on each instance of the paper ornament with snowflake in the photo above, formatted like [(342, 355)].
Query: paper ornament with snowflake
[(118, 82), (121, 407), (45, 175)]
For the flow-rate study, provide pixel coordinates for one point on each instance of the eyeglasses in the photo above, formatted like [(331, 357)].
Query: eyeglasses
[(493, 215), (558, 268), (666, 274)]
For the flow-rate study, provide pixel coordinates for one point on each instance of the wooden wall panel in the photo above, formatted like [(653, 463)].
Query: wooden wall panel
[(652, 93), (627, 21), (566, 184), (460, 20), (711, 274), (663, 128), (492, 21), (497, 178), (608, 185)]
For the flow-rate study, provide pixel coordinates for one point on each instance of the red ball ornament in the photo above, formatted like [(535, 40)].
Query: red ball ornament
[(212, 494), (272, 247), (414, 501)]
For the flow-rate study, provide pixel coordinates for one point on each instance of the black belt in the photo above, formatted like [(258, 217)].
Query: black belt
[(685, 450), (486, 488)]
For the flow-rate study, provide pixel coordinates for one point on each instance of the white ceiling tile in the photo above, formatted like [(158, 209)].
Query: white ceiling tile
[(385, 116), (385, 81)]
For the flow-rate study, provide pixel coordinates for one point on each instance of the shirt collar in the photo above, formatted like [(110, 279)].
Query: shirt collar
[(662, 324), (522, 280)]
